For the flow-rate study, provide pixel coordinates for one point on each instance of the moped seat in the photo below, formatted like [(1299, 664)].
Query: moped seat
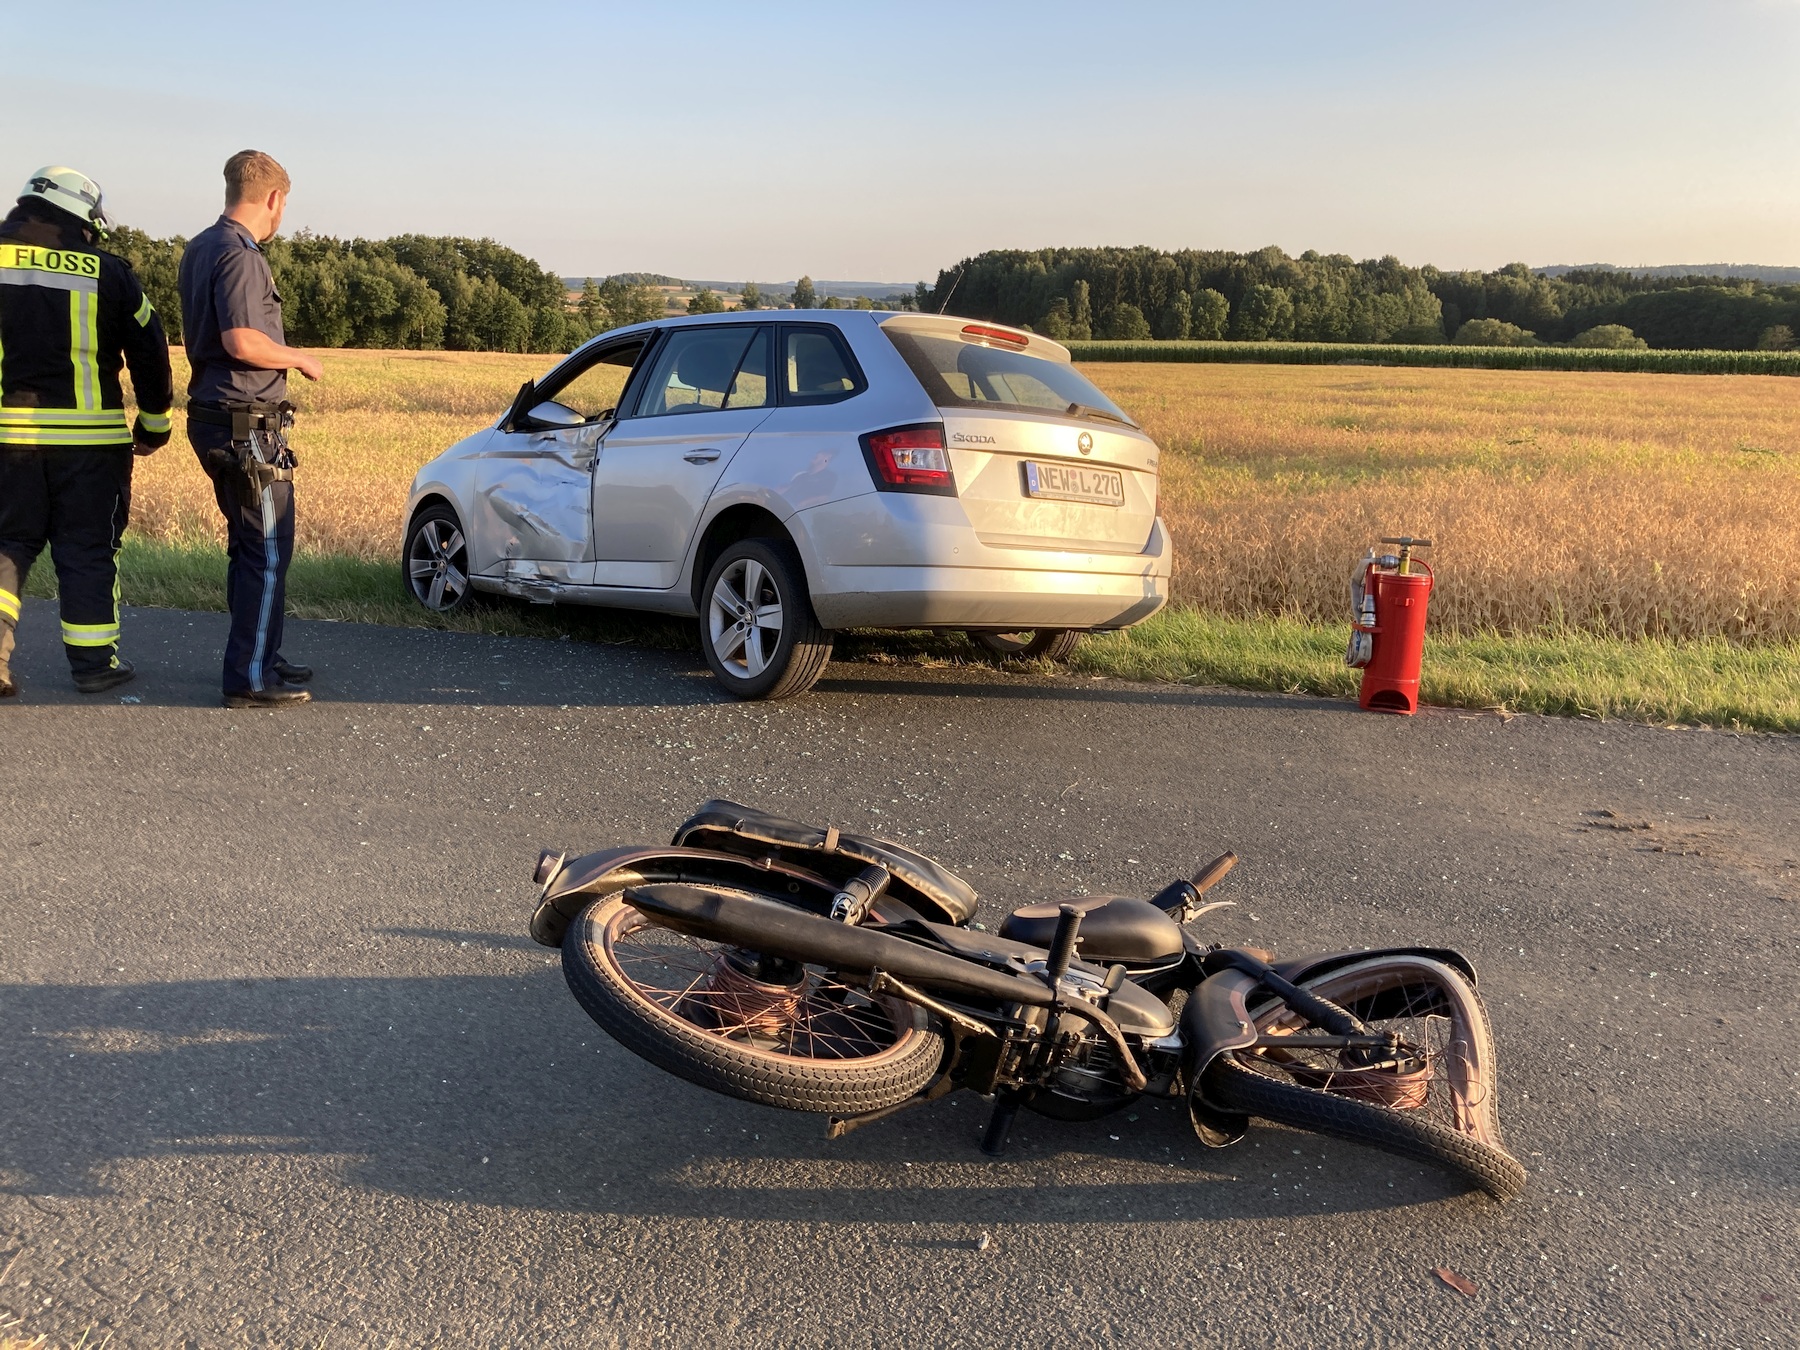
[(1113, 928)]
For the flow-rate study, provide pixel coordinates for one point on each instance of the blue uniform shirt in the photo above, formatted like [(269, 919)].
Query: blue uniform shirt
[(225, 284)]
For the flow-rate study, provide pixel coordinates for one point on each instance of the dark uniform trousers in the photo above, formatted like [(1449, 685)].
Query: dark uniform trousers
[(77, 500), (259, 544)]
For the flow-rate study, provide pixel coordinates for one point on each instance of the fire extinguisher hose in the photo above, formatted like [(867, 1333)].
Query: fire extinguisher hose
[(1362, 614)]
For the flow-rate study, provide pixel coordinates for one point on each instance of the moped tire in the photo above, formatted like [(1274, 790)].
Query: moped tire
[(1443, 1111), (739, 1036), (1040, 644)]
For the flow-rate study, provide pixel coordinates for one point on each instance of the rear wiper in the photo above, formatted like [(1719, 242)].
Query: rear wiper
[(1087, 410)]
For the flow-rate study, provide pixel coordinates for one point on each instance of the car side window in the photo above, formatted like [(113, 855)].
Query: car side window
[(750, 386), (592, 390), (706, 369), (817, 366)]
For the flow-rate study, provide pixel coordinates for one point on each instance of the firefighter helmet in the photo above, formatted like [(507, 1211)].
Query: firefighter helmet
[(69, 190)]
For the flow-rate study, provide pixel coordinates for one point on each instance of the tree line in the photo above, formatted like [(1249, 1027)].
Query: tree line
[(413, 291), (1143, 294), (431, 292)]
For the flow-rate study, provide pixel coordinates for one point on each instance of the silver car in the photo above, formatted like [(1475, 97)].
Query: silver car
[(785, 474)]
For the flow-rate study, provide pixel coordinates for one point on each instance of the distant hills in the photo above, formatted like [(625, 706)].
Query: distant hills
[(844, 290), (1772, 276)]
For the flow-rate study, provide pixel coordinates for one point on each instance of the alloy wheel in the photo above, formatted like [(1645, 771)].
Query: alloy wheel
[(437, 565), (744, 619)]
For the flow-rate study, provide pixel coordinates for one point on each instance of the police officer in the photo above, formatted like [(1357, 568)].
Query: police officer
[(238, 417), (70, 316)]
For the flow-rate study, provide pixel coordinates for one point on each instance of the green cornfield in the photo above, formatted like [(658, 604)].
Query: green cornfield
[(1485, 358)]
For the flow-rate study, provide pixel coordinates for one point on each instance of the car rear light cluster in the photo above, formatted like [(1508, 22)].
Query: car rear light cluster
[(910, 459)]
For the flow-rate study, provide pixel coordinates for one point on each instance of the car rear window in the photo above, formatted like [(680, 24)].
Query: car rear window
[(962, 374)]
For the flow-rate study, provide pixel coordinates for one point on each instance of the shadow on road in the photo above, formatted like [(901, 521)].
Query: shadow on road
[(495, 1090), (176, 652), (177, 656), (841, 680)]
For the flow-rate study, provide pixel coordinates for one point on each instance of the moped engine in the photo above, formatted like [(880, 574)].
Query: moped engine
[(1085, 1085)]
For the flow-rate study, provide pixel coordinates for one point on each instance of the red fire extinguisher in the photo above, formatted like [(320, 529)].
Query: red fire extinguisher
[(1387, 635)]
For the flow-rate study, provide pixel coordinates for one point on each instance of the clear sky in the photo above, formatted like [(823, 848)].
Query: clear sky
[(875, 141)]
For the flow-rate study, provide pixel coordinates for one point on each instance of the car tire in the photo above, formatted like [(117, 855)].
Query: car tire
[(1040, 644), (757, 627), (434, 565)]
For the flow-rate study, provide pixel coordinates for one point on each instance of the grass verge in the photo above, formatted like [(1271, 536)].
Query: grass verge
[(1703, 682), (1707, 682)]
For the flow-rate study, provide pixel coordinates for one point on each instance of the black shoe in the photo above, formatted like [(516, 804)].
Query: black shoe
[(291, 673), (275, 696), (99, 681)]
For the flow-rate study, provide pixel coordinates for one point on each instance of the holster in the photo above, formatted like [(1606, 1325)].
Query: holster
[(259, 444), (264, 457)]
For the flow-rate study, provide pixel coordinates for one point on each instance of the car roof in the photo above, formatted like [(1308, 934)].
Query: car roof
[(831, 316)]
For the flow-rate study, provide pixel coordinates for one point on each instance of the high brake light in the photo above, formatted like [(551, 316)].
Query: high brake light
[(910, 459), (986, 334)]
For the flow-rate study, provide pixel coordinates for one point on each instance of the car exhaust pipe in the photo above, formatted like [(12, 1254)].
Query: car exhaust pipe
[(778, 930)]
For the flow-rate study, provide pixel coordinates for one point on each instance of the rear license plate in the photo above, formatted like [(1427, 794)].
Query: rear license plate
[(1074, 483)]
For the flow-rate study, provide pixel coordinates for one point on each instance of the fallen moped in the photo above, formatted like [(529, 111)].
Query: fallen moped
[(802, 967)]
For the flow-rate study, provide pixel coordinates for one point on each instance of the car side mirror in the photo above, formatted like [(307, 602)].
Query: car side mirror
[(517, 409), (553, 414)]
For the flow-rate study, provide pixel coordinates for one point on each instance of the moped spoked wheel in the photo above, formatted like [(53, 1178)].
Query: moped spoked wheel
[(1433, 1100), (760, 1029), (1037, 644)]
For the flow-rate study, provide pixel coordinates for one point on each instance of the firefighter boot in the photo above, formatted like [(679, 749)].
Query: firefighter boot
[(99, 681)]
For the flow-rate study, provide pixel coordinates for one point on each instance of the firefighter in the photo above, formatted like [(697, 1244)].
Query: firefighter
[(238, 415), (70, 316)]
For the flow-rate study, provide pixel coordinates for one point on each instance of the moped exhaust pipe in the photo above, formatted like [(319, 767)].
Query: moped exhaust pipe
[(763, 926)]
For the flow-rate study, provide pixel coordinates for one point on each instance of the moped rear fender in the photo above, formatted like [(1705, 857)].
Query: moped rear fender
[(1324, 963), (1217, 1019), (594, 876)]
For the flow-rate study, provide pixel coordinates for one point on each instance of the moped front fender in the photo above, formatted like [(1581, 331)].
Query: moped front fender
[(1217, 1019)]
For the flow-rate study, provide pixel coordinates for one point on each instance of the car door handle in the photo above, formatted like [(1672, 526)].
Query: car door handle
[(701, 456)]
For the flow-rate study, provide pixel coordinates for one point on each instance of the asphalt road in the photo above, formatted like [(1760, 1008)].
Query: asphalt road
[(279, 1065)]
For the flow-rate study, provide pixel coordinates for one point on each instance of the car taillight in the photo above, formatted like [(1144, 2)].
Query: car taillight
[(910, 459)]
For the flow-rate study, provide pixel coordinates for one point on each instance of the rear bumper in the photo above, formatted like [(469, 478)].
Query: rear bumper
[(960, 582)]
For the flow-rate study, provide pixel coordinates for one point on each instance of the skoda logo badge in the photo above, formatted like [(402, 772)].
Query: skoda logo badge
[(1085, 443)]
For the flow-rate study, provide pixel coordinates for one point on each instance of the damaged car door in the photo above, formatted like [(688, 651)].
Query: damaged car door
[(706, 390), (532, 509)]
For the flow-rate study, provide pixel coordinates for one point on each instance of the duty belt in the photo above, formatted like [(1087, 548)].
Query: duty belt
[(258, 436), (243, 418)]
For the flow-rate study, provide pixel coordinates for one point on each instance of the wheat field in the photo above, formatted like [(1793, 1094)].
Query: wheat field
[(1622, 504)]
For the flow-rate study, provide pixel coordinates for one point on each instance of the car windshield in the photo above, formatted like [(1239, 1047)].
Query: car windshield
[(960, 374)]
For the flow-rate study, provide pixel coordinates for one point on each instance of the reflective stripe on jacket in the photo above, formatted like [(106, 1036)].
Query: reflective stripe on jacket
[(70, 318)]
